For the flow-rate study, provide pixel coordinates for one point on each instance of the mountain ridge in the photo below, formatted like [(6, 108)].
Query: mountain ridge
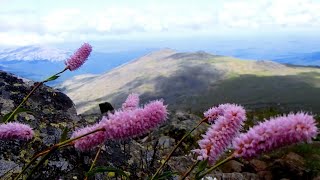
[(197, 81)]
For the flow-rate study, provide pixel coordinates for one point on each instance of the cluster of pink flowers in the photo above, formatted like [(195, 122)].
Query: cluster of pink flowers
[(215, 112), (132, 102), (123, 124), (275, 133), (79, 57), (14, 130), (228, 121)]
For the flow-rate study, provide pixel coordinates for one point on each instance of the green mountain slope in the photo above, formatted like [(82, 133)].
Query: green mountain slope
[(196, 81)]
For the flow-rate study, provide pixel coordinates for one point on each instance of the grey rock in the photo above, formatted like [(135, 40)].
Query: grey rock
[(166, 142), (233, 176)]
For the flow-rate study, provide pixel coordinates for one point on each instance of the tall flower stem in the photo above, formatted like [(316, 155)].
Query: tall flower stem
[(94, 161), (176, 147), (30, 93), (189, 170), (215, 166), (23, 101), (54, 147), (44, 158)]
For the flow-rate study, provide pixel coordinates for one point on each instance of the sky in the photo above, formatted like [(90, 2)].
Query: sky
[(28, 22)]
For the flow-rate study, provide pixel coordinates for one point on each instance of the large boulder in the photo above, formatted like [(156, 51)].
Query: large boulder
[(51, 112)]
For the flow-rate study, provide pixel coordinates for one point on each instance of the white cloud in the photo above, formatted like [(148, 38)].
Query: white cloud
[(15, 38), (64, 24), (270, 13)]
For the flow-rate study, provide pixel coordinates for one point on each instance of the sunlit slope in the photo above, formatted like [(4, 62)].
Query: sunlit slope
[(196, 81)]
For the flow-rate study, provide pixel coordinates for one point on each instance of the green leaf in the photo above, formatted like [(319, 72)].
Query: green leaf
[(15, 115), (64, 134), (202, 166), (52, 78), (165, 175), (101, 169)]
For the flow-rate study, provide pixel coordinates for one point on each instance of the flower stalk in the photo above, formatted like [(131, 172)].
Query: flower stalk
[(94, 161), (176, 147), (31, 92), (53, 148), (215, 166), (189, 170)]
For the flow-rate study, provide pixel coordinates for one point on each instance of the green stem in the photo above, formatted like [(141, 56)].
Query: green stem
[(189, 170), (23, 101), (66, 68), (26, 167), (30, 93), (44, 158), (61, 144), (176, 147), (95, 160), (69, 141), (215, 166)]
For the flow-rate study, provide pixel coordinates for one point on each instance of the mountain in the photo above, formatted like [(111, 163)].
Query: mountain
[(196, 81), (31, 53)]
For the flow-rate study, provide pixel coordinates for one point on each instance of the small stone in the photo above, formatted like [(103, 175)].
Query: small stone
[(232, 166), (295, 157), (265, 175), (258, 165), (166, 142)]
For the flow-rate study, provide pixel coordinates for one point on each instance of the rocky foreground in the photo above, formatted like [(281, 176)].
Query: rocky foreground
[(52, 111)]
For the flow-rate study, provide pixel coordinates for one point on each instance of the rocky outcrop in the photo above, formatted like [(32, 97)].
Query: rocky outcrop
[(52, 111)]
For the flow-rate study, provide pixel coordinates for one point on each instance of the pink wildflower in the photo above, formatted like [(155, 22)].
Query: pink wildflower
[(123, 124), (219, 136), (128, 124), (14, 130), (132, 102), (213, 113), (275, 133), (89, 141), (79, 57)]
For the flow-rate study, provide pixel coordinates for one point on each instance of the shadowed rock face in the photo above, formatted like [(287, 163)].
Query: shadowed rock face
[(196, 81), (52, 111), (200, 55)]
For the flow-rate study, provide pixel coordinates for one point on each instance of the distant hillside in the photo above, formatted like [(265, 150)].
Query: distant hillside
[(196, 81)]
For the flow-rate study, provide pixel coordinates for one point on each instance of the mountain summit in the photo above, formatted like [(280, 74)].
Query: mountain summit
[(197, 80)]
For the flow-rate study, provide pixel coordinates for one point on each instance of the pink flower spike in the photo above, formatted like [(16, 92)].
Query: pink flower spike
[(14, 130), (228, 121), (79, 57), (212, 114), (274, 133), (132, 102), (129, 124), (123, 124), (90, 141)]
